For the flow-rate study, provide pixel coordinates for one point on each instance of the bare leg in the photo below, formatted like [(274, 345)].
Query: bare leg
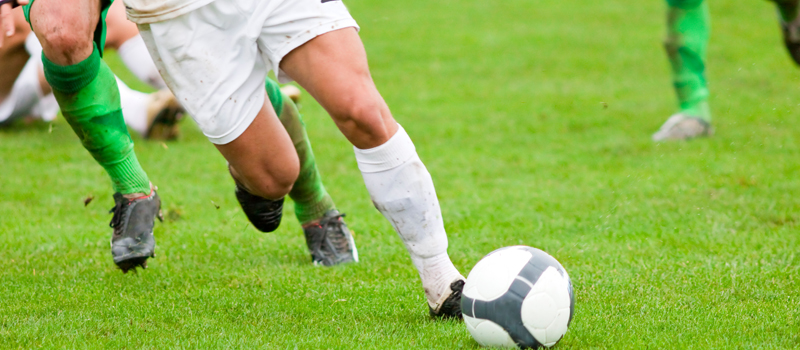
[(263, 158), (12, 54), (333, 68)]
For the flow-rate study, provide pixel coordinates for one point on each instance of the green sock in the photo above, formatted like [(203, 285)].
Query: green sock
[(311, 200), (88, 96), (688, 27)]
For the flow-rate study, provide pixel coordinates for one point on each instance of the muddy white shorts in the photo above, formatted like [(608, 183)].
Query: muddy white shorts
[(26, 98), (215, 59)]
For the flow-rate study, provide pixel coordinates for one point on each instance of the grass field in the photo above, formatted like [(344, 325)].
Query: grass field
[(534, 119)]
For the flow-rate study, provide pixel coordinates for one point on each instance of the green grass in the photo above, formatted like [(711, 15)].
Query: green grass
[(678, 245)]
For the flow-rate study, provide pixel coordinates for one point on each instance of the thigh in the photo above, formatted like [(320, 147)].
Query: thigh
[(291, 23), (212, 65), (333, 68)]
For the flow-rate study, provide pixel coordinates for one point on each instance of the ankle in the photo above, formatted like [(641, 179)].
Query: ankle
[(135, 195)]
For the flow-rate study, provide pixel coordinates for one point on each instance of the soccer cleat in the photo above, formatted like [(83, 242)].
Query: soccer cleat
[(163, 114), (449, 305), (791, 30), (683, 127), (133, 242), (330, 241), (292, 91), (264, 214)]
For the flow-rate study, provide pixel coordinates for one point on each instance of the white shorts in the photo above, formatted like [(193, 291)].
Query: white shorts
[(26, 98), (215, 59)]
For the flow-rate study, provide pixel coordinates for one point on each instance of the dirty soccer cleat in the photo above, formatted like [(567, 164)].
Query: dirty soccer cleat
[(683, 127), (329, 241), (449, 305), (791, 30), (133, 242), (163, 114), (264, 214)]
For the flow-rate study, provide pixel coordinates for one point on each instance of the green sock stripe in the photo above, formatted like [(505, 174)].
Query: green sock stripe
[(73, 78), (127, 175)]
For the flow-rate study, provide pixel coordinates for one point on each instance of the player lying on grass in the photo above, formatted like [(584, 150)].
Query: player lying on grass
[(327, 236), (215, 55), (687, 40), (24, 92)]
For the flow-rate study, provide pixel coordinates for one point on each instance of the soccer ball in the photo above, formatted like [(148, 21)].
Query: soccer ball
[(518, 297)]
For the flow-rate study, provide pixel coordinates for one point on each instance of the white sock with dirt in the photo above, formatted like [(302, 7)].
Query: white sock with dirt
[(136, 57), (134, 107), (402, 190)]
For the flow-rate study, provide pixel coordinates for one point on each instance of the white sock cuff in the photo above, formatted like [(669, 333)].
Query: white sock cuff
[(398, 150)]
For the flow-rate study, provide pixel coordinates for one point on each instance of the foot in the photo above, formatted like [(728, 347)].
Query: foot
[(133, 242), (449, 305), (683, 127), (789, 18), (264, 214), (292, 91), (163, 114), (329, 240)]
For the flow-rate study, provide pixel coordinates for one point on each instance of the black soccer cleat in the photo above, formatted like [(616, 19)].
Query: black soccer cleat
[(329, 241), (264, 214), (450, 307), (133, 221)]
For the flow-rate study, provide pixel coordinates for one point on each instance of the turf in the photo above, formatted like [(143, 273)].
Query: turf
[(534, 119)]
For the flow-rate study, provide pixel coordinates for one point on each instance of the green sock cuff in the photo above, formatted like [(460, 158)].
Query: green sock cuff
[(73, 78), (313, 210), (127, 175)]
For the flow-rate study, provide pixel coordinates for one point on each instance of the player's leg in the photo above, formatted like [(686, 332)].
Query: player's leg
[(20, 87), (333, 68), (688, 28), (789, 18), (86, 91), (327, 236), (154, 115), (225, 94)]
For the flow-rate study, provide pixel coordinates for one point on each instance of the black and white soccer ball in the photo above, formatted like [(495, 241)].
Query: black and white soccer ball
[(518, 297)]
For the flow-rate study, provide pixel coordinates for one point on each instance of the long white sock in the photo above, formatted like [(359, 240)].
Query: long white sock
[(134, 107), (402, 190), (136, 57)]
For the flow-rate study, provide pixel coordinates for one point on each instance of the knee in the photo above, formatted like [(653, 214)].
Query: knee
[(65, 43), (68, 42), (364, 120), (273, 183)]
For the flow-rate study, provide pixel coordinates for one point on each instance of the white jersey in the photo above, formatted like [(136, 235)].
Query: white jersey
[(150, 11)]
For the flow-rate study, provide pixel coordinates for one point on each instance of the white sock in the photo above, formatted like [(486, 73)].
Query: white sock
[(136, 57), (402, 190), (134, 107)]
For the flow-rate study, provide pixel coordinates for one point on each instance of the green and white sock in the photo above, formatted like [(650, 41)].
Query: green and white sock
[(89, 99), (688, 28)]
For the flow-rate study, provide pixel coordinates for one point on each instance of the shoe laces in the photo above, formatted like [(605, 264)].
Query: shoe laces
[(334, 224), (119, 213)]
